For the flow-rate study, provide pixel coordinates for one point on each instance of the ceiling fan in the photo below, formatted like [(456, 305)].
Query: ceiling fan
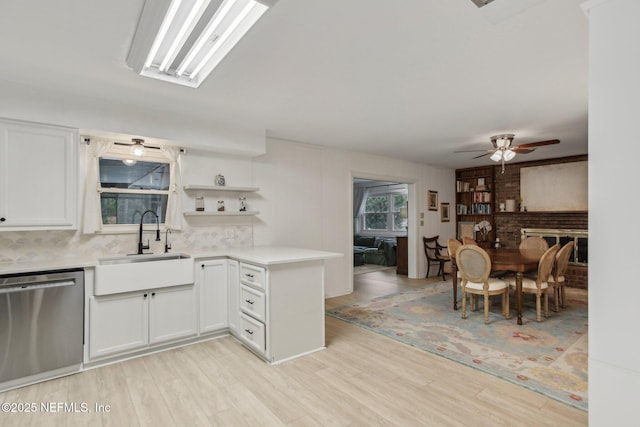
[(503, 151)]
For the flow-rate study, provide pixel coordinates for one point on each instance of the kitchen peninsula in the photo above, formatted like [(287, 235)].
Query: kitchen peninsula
[(270, 298)]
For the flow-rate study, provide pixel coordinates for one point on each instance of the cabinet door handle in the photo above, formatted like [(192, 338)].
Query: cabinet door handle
[(153, 294), (145, 295), (249, 301), (249, 331), (3, 219)]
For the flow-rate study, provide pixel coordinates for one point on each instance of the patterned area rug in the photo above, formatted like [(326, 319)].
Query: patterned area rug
[(549, 357)]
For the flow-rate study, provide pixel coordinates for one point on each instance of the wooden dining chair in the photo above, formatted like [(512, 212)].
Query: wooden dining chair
[(433, 252), (474, 265), (469, 241), (557, 277), (540, 285), (535, 243)]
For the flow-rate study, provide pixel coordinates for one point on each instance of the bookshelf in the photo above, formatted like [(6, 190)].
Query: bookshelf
[(475, 202)]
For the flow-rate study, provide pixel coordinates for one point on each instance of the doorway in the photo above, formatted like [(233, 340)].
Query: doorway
[(380, 216)]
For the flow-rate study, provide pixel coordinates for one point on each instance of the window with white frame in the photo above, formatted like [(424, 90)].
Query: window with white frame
[(122, 186), (129, 188), (382, 212)]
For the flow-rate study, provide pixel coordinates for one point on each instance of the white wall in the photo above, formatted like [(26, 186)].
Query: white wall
[(614, 109), (114, 119), (306, 201)]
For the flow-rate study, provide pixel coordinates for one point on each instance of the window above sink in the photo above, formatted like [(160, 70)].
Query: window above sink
[(127, 189), (127, 185)]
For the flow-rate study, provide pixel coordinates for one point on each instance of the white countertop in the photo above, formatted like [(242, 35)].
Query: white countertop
[(272, 255), (262, 255)]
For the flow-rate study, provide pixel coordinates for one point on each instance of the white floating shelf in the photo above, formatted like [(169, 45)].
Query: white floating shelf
[(220, 188), (225, 213)]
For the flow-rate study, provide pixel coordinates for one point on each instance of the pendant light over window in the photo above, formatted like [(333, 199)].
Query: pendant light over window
[(137, 149)]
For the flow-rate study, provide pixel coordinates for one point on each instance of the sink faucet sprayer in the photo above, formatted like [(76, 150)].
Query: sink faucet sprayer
[(141, 246), (167, 245)]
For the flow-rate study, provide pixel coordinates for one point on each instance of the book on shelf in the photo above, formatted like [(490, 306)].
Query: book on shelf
[(463, 186), (481, 209), (482, 197)]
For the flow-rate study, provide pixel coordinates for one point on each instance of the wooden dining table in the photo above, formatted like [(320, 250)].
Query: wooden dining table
[(513, 260)]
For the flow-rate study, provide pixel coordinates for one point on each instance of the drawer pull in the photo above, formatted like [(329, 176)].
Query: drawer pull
[(249, 301), (249, 275), (249, 331)]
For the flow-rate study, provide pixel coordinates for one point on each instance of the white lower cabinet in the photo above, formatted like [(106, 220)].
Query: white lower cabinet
[(277, 311), (233, 271), (212, 279), (252, 332), (282, 309), (172, 314), (118, 323), (131, 321)]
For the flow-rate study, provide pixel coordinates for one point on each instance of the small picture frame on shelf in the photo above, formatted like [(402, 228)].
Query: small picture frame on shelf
[(432, 200), (444, 212)]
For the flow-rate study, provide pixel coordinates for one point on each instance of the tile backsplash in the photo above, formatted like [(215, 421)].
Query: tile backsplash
[(20, 246)]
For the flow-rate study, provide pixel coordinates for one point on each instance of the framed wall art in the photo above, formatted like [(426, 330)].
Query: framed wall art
[(432, 200), (444, 212)]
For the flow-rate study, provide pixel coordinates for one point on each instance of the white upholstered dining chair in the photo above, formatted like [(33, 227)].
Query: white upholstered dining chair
[(534, 242), (557, 277), (540, 285), (474, 265)]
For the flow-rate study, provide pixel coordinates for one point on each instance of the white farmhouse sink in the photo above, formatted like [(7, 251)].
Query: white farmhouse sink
[(139, 272)]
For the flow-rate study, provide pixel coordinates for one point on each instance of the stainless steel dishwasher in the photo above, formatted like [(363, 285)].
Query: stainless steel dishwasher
[(41, 326)]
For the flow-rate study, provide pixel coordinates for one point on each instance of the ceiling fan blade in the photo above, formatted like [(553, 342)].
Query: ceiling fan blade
[(482, 155), (522, 150), (473, 151), (538, 144)]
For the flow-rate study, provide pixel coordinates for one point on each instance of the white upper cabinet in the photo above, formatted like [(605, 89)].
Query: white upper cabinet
[(38, 176)]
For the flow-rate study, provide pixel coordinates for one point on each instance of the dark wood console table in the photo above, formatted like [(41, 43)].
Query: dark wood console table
[(402, 253)]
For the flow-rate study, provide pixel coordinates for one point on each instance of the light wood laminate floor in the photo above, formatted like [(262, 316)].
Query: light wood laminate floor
[(361, 379)]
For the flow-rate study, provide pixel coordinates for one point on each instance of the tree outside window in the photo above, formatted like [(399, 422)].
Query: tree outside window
[(382, 212)]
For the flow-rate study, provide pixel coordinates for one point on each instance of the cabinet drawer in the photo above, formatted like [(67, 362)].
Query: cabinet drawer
[(253, 302), (252, 275), (252, 333)]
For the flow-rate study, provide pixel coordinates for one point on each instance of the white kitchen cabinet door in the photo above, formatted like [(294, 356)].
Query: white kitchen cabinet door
[(118, 323), (172, 313), (233, 273), (38, 176), (212, 281)]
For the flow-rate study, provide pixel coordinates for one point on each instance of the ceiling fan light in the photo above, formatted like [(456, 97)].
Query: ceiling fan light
[(508, 155), (496, 156)]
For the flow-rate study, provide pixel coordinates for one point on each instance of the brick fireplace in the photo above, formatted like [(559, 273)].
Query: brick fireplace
[(509, 225)]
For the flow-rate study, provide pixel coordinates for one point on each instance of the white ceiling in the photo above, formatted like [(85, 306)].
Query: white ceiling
[(412, 79)]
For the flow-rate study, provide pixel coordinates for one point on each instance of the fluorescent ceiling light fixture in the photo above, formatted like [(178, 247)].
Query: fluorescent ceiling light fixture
[(182, 41)]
